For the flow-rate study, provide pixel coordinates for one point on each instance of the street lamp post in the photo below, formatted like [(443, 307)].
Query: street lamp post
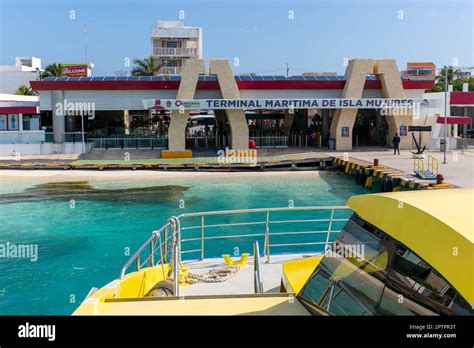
[(83, 138), (445, 110), (446, 104)]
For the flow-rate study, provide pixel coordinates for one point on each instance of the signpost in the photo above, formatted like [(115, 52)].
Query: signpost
[(418, 129)]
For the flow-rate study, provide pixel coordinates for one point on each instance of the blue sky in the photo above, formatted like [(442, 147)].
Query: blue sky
[(259, 32)]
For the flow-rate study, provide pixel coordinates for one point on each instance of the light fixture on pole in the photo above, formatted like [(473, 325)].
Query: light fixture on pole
[(446, 107), (87, 69), (445, 111)]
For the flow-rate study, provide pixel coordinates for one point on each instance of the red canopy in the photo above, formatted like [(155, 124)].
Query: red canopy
[(18, 110), (461, 99), (454, 120)]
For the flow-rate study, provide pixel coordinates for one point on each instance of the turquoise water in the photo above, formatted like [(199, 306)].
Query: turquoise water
[(84, 229)]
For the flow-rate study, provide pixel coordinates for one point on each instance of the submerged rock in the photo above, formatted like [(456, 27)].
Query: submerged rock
[(60, 191)]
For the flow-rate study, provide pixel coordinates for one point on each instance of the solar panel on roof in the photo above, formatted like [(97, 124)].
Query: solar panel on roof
[(109, 78), (97, 79), (133, 78), (201, 78), (310, 78), (298, 77), (86, 79), (73, 79), (121, 78), (257, 78), (245, 78), (279, 77), (211, 78), (145, 78), (157, 78), (332, 78), (175, 78), (236, 77), (268, 78), (61, 79)]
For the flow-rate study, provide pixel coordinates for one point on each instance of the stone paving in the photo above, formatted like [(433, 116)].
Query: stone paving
[(459, 169)]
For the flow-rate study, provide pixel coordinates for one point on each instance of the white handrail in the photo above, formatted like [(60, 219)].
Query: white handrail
[(175, 224), (257, 270)]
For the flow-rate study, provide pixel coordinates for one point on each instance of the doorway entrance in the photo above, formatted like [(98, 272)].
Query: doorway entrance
[(370, 129)]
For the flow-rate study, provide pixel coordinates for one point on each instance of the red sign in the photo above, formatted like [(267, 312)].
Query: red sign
[(75, 70)]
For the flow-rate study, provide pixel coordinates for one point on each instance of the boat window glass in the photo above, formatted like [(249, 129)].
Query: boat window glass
[(415, 284), (367, 272), (344, 283)]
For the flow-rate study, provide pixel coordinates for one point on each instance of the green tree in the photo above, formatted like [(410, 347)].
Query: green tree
[(457, 83), (146, 67), (52, 70), (25, 90)]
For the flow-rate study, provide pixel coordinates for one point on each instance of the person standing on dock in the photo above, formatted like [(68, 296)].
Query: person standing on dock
[(396, 144)]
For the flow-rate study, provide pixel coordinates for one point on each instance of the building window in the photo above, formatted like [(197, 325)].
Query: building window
[(171, 44), (172, 63), (3, 122), (13, 122), (31, 122)]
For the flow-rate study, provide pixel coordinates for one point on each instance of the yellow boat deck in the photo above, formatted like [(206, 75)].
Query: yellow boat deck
[(242, 283), (235, 296), (256, 304)]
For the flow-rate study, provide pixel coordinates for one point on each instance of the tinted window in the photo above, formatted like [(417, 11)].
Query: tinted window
[(367, 272)]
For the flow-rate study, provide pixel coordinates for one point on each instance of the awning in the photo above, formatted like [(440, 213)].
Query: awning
[(19, 110), (454, 120), (461, 99)]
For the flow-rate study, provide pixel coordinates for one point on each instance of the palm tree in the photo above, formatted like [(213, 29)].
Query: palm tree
[(146, 67), (52, 70), (25, 90), (457, 83)]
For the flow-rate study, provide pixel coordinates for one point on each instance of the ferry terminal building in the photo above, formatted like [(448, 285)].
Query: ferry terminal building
[(120, 100)]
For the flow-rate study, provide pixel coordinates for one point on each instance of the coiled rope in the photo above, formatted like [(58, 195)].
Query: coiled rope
[(215, 275)]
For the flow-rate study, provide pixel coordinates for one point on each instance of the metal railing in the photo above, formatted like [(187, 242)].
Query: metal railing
[(168, 70), (418, 165), (175, 52), (257, 270), (154, 243), (129, 143), (433, 165), (465, 144), (271, 141), (175, 239), (74, 137), (265, 232), (200, 141)]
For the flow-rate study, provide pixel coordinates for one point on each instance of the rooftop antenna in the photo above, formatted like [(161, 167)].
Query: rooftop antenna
[(85, 42), (287, 70)]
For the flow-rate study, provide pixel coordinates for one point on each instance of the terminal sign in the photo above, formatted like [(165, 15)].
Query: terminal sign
[(255, 104)]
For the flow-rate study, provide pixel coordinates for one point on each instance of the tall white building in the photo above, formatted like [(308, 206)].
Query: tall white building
[(173, 43), (26, 69)]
